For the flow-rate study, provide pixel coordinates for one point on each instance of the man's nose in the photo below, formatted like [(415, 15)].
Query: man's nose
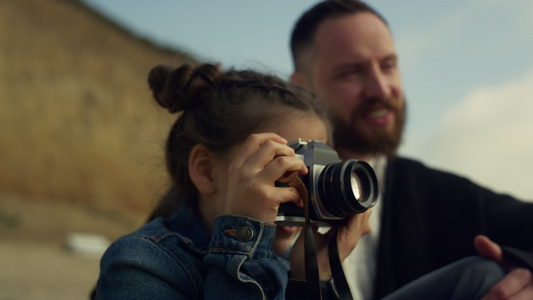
[(377, 85)]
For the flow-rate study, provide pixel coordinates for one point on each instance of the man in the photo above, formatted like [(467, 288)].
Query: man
[(343, 51)]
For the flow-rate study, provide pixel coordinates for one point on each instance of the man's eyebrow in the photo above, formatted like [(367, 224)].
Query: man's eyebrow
[(355, 63), (393, 57), (361, 63), (349, 65)]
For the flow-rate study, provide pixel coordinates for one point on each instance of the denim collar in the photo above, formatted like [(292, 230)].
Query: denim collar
[(189, 224)]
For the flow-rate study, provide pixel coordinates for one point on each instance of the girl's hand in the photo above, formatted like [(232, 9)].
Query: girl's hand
[(256, 166), (351, 230)]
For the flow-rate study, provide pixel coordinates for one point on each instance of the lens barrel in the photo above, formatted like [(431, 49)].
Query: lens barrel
[(347, 187)]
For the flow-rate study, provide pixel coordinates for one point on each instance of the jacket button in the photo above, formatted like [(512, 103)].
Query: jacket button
[(245, 233)]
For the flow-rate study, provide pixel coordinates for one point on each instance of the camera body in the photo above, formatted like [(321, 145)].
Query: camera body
[(337, 188)]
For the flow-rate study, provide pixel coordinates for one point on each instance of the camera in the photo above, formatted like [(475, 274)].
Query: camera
[(337, 188)]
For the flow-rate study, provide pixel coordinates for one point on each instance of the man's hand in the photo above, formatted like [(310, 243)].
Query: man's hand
[(516, 285)]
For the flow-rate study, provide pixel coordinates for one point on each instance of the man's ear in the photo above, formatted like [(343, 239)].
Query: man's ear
[(298, 78), (201, 169)]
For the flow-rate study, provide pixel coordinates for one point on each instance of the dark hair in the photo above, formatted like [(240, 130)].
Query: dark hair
[(303, 33), (219, 109)]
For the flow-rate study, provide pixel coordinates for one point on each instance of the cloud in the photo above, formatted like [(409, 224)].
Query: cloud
[(483, 109), (488, 137)]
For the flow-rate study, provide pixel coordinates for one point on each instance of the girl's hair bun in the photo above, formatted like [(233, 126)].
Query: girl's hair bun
[(185, 87)]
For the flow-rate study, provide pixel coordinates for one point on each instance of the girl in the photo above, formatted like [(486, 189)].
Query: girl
[(224, 153)]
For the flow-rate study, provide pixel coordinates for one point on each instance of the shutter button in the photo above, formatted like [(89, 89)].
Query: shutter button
[(245, 234)]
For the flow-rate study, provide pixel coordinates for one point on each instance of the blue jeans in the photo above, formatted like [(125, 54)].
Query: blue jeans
[(467, 279)]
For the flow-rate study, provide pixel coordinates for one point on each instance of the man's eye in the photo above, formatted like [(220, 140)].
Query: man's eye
[(388, 65), (350, 72)]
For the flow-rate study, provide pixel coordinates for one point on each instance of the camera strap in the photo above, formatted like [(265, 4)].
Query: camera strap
[(314, 289), (312, 276), (339, 279)]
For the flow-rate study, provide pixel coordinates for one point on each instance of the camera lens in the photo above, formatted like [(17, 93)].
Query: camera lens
[(348, 187), (356, 186)]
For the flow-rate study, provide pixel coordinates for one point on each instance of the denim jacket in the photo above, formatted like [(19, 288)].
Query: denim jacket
[(175, 258)]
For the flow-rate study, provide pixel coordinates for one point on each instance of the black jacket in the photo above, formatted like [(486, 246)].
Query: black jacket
[(430, 218)]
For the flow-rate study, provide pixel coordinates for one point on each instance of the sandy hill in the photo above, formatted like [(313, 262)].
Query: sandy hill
[(77, 122)]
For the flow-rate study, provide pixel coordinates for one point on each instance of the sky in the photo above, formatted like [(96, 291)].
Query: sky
[(466, 66)]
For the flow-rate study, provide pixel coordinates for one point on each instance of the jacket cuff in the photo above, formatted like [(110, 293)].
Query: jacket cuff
[(236, 234)]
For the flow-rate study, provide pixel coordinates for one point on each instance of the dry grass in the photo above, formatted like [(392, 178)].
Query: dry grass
[(80, 141), (39, 221), (78, 122)]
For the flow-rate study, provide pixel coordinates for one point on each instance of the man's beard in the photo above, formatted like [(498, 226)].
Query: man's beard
[(349, 136)]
